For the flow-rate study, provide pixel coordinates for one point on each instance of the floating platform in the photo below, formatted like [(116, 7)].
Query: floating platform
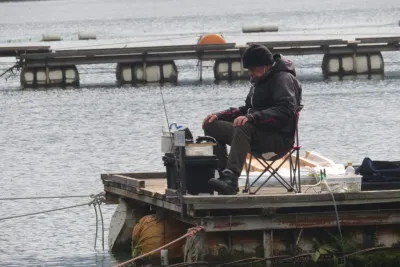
[(274, 218), (301, 210), (44, 66)]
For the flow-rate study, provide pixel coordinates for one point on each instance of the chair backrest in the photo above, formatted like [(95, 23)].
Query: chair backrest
[(295, 135)]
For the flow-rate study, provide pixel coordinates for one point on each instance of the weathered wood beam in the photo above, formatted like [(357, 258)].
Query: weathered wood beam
[(289, 200), (14, 51), (297, 220), (379, 39), (144, 175), (124, 180), (143, 198), (298, 43), (128, 51)]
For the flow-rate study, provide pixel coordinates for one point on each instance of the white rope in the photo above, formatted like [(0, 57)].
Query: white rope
[(97, 200), (41, 212), (49, 197)]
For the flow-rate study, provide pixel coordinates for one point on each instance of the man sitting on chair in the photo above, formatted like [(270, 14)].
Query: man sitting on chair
[(265, 122)]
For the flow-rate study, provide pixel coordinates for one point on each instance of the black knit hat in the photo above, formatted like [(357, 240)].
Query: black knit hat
[(257, 55)]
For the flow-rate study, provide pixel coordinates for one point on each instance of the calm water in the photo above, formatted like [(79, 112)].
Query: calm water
[(58, 141)]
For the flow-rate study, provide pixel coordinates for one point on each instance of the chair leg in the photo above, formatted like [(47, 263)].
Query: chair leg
[(247, 166), (294, 179), (273, 173), (292, 176), (265, 170), (295, 172), (298, 169)]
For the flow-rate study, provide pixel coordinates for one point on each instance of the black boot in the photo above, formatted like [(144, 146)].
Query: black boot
[(227, 184)]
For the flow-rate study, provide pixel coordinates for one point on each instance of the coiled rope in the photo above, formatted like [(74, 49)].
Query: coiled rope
[(191, 232)]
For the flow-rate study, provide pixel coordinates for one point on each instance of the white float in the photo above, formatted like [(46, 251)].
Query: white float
[(44, 76), (229, 70), (55, 76), (352, 64), (154, 72), (49, 37), (28, 76), (86, 36), (71, 76), (41, 77)]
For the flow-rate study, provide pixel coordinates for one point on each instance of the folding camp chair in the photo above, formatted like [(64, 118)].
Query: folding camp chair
[(267, 160)]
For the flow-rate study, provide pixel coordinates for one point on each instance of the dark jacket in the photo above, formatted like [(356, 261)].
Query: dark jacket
[(272, 101)]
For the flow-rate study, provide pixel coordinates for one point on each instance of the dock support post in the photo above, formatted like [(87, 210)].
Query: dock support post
[(268, 246), (122, 222), (47, 75), (144, 71), (195, 248), (201, 70)]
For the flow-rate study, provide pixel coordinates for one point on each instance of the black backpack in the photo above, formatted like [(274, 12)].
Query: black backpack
[(379, 171)]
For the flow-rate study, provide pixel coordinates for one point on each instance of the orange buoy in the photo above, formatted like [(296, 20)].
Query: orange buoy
[(211, 38)]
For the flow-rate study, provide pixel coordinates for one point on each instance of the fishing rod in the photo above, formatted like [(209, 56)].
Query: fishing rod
[(165, 109)]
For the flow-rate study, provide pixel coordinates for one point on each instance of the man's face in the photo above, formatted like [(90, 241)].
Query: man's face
[(257, 72)]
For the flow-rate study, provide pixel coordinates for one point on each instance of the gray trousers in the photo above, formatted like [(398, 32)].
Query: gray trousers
[(242, 140)]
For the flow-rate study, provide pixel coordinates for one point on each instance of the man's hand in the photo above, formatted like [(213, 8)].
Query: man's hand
[(239, 121), (209, 119)]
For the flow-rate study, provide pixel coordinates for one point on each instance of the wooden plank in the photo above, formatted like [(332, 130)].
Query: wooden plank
[(144, 175), (299, 43), (159, 196), (124, 180), (63, 61), (132, 58), (297, 220), (289, 200), (146, 192), (143, 198), (335, 49), (393, 39), (129, 188), (129, 51), (12, 51)]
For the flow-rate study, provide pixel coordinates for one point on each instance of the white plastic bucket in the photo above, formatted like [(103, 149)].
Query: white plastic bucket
[(167, 138), (166, 142)]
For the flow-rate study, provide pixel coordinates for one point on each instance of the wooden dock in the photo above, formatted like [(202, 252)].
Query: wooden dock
[(273, 223), (271, 208), (361, 56)]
